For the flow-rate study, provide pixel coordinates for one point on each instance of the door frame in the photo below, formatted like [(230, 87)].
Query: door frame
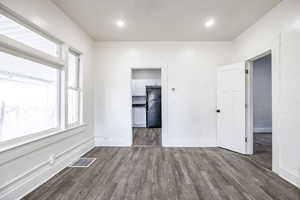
[(249, 101), (164, 95)]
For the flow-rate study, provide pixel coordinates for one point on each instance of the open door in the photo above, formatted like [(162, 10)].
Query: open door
[(231, 118)]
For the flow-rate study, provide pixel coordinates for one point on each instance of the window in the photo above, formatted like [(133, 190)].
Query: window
[(73, 88), (28, 97), (20, 33), (31, 85)]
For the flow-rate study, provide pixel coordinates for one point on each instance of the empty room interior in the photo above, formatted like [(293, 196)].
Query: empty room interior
[(140, 99)]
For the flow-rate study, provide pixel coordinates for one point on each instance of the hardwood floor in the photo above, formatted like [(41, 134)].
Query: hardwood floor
[(263, 149), (146, 136), (166, 173)]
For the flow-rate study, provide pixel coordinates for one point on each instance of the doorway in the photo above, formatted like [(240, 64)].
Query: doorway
[(146, 107), (244, 109), (260, 91)]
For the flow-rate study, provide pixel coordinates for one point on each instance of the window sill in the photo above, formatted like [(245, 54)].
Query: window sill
[(17, 142)]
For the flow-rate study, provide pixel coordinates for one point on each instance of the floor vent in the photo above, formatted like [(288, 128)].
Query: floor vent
[(83, 162)]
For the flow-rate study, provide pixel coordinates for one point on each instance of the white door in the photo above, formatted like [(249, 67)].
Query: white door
[(231, 107)]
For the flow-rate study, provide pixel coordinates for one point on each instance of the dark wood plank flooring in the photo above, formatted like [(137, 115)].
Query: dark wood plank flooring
[(263, 149), (146, 137), (166, 173)]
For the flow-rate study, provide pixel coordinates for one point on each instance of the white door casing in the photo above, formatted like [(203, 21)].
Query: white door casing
[(231, 120)]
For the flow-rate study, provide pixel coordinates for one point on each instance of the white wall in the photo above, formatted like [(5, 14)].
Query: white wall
[(278, 30), (25, 167), (262, 94), (189, 67), (263, 34)]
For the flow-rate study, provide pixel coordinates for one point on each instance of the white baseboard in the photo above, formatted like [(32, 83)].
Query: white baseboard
[(291, 178), (112, 142), (190, 143), (121, 142), (30, 180), (262, 130)]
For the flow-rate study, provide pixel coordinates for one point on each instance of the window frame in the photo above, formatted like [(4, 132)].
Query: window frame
[(77, 88), (58, 100), (33, 27), (60, 62)]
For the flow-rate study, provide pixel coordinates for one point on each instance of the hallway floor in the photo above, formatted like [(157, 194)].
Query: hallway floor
[(146, 137), (263, 149)]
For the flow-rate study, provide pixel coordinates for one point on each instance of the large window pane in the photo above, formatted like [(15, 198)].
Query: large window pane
[(28, 97), (20, 33), (73, 70), (73, 106), (73, 88)]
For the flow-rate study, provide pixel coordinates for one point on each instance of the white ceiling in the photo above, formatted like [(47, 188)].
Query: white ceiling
[(165, 20)]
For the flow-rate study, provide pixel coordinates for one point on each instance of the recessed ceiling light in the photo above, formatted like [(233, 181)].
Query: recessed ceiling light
[(120, 23), (209, 23)]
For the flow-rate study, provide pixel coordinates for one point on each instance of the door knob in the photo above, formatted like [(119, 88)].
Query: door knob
[(218, 110)]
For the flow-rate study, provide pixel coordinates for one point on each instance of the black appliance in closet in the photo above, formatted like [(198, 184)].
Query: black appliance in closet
[(153, 106)]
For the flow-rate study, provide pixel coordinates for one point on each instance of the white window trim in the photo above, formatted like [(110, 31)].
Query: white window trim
[(19, 49), (17, 142), (31, 26), (78, 88)]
